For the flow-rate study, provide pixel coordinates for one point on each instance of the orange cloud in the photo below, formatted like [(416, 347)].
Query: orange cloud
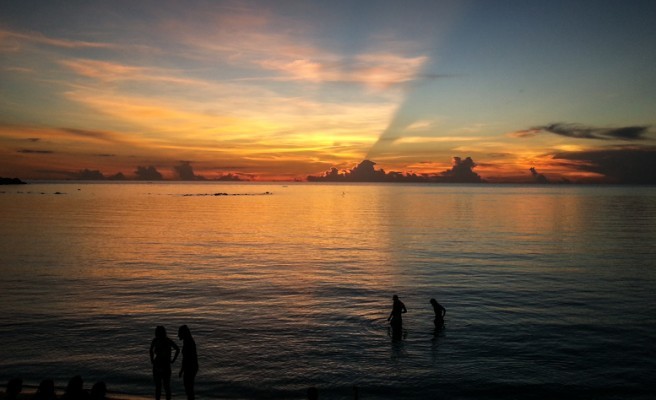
[(377, 71), (257, 41), (437, 139), (263, 124), (104, 71)]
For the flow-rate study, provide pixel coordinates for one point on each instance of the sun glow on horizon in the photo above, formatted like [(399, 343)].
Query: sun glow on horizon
[(271, 92)]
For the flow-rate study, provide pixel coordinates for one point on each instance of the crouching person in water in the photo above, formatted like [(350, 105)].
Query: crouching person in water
[(395, 318), (440, 312)]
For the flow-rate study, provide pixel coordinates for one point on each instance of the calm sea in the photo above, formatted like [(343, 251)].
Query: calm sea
[(550, 291)]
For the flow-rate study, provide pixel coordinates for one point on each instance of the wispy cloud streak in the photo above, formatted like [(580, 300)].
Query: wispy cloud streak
[(578, 131), (12, 40)]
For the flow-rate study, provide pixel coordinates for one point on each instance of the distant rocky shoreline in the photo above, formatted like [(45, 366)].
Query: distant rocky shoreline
[(11, 181)]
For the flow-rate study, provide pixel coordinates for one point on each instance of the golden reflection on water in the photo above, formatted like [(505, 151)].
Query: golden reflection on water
[(300, 236), (308, 271), (291, 239)]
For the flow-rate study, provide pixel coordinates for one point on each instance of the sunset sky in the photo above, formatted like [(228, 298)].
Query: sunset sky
[(279, 90)]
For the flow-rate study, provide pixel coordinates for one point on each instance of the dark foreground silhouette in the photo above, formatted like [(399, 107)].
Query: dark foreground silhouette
[(99, 391), (14, 387), (46, 390), (75, 390), (189, 367), (160, 357)]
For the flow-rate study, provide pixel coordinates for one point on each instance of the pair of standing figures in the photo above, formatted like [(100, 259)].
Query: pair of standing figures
[(160, 357), (398, 309)]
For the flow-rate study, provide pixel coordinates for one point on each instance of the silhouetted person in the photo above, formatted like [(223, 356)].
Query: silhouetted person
[(160, 357), (395, 317), (75, 389), (312, 393), (440, 312), (189, 367), (14, 387), (99, 391), (46, 390)]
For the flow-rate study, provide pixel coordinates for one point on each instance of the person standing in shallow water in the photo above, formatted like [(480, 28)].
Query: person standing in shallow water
[(440, 312), (160, 357), (189, 367), (395, 318)]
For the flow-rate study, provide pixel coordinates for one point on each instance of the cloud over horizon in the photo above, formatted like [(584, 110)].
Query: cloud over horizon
[(579, 131), (149, 173), (623, 165), (462, 172), (185, 171), (539, 178)]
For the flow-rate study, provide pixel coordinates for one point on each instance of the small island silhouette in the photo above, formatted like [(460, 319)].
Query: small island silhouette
[(11, 181)]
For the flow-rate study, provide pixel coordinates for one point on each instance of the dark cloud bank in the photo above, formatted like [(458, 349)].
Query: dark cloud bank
[(631, 164), (578, 131), (460, 172), (627, 165), (624, 165)]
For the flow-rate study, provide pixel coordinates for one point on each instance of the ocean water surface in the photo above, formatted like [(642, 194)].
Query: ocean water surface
[(550, 291)]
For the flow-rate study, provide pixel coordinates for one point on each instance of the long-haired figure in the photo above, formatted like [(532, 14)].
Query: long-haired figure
[(189, 367), (160, 357)]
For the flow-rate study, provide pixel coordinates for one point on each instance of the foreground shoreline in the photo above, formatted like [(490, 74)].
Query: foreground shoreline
[(29, 391)]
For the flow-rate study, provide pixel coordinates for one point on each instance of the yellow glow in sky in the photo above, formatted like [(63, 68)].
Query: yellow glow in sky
[(278, 91)]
